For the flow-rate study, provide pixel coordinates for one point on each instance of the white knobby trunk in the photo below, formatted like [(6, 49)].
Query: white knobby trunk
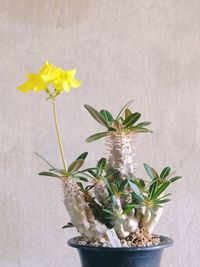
[(81, 214)]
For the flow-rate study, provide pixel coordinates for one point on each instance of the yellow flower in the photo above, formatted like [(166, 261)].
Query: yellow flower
[(34, 82), (65, 80), (62, 80), (49, 73)]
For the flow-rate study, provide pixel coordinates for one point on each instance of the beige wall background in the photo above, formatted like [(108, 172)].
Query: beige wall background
[(147, 50)]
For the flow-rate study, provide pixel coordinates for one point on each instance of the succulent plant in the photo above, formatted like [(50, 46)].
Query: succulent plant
[(108, 195)]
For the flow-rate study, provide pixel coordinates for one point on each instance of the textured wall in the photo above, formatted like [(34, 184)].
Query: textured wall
[(147, 50)]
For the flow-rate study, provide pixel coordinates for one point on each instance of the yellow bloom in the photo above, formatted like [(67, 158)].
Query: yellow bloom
[(65, 80), (48, 72), (62, 80), (34, 82)]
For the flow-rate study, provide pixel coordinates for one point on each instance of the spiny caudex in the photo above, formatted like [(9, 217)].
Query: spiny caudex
[(128, 202), (108, 195)]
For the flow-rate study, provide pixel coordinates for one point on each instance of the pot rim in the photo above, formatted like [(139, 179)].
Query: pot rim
[(165, 242)]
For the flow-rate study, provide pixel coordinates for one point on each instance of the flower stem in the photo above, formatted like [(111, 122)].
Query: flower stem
[(58, 135)]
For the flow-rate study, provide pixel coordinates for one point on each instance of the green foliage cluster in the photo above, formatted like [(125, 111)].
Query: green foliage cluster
[(125, 121)]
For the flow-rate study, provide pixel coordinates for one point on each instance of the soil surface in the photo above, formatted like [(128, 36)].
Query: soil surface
[(140, 238)]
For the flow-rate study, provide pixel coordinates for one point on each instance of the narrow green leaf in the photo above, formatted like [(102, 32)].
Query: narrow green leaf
[(51, 174), (101, 164), (95, 137), (107, 115), (127, 113), (86, 170), (121, 113), (69, 225), (142, 124), (93, 173), (149, 171), (155, 173), (111, 173), (152, 190), (165, 172), (175, 179), (118, 125), (169, 194), (62, 171), (75, 165), (131, 119), (81, 178), (162, 201), (44, 159), (122, 185), (136, 129), (114, 188), (130, 207), (109, 212), (161, 189), (83, 156), (96, 115), (136, 189), (142, 183), (81, 186)]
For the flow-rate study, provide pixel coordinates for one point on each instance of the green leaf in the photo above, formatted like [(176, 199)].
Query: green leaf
[(175, 179), (142, 183), (81, 186), (101, 164), (131, 119), (83, 156), (124, 108), (137, 198), (169, 194), (93, 173), (136, 190), (62, 171), (95, 137), (137, 129), (162, 201), (155, 173), (111, 173), (81, 178), (149, 171), (118, 125), (69, 225), (86, 170), (75, 165), (165, 172), (51, 174), (152, 190), (44, 159), (114, 188), (142, 124), (109, 212), (122, 185), (130, 207), (96, 115), (127, 113), (107, 115), (161, 189)]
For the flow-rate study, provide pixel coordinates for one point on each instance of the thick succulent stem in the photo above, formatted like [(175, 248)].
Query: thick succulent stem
[(81, 214), (151, 218), (120, 147), (130, 221)]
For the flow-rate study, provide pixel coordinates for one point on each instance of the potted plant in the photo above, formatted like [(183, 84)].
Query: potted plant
[(114, 210)]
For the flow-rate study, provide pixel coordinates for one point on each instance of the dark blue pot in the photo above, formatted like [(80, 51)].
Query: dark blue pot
[(121, 257)]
